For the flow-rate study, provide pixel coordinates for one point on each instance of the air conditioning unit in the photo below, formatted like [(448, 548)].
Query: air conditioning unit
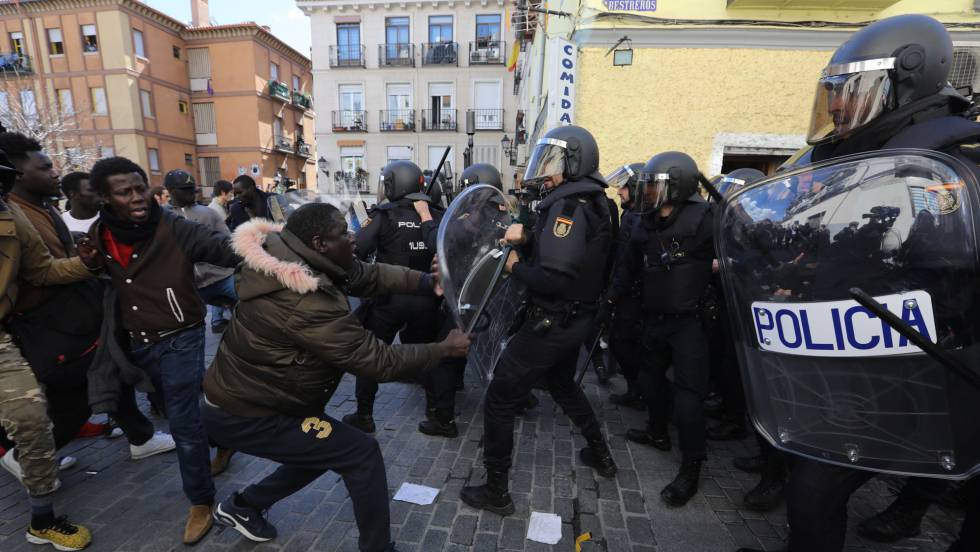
[(965, 72)]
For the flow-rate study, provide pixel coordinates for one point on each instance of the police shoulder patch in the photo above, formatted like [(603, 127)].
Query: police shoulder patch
[(563, 226)]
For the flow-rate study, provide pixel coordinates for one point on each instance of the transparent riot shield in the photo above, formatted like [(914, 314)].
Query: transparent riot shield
[(825, 377), (479, 293), (283, 205)]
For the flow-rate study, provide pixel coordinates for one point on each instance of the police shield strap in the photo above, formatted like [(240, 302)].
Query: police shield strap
[(825, 377)]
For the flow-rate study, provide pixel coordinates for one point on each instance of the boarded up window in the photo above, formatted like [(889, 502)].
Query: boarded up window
[(204, 122), (210, 171)]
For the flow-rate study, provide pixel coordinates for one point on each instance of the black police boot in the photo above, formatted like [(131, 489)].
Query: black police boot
[(684, 486), (657, 438), (439, 423), (530, 403), (728, 430), (750, 464), (631, 398), (598, 457), (492, 497), (363, 422), (768, 494), (901, 520)]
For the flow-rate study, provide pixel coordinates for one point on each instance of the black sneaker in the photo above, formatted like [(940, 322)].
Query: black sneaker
[(765, 496), (363, 423), (244, 519), (437, 428), (658, 440)]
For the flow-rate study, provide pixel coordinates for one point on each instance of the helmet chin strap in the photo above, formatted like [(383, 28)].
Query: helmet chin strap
[(712, 191)]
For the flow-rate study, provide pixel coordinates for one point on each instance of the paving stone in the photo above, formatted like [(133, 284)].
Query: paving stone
[(464, 528)]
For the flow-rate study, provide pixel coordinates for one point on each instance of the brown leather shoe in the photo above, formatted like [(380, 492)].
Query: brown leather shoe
[(221, 460), (199, 522)]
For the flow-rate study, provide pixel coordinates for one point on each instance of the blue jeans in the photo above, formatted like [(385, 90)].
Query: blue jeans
[(176, 367), (221, 296)]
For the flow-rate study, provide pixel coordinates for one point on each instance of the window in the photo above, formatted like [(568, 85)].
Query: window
[(299, 133), (176, 50), (205, 124), (4, 103), (17, 43), (189, 159), (397, 30), (351, 97), (56, 45), (65, 102), (154, 160), (182, 106), (440, 28), (199, 61), (277, 127), (435, 155), (487, 29), (348, 42), (210, 171), (98, 102), (399, 114), (399, 153), (90, 42), (274, 71), (146, 100), (351, 163), (107, 151), (138, 45), (27, 104), (296, 87)]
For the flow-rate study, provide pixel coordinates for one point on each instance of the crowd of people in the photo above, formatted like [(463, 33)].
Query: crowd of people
[(109, 297)]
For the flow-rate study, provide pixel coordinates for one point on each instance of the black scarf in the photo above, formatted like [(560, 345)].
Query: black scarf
[(131, 233)]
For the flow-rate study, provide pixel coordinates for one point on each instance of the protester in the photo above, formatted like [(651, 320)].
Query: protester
[(250, 202), (221, 197), (161, 195), (83, 202)]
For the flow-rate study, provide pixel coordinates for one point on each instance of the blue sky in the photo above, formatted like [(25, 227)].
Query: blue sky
[(286, 20)]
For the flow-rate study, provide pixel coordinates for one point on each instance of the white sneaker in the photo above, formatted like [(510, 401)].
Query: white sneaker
[(67, 462), (9, 463), (158, 444), (115, 434)]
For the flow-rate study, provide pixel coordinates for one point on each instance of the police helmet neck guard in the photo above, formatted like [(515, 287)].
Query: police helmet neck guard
[(667, 179), (567, 151), (481, 173), (400, 179), (881, 68)]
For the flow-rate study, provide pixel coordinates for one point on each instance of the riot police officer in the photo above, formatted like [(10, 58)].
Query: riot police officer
[(675, 262), (442, 381), (394, 235), (562, 263), (903, 100), (626, 332)]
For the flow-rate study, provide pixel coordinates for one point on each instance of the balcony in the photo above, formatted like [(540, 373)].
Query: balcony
[(347, 55), (349, 121), (400, 120), (441, 120), (15, 64), (279, 91), (350, 182), (396, 55), (283, 144), (302, 101), (489, 119), (487, 52), (303, 149), (440, 53)]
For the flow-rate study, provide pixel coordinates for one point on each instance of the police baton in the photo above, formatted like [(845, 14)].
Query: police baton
[(438, 171), (937, 353), (592, 350)]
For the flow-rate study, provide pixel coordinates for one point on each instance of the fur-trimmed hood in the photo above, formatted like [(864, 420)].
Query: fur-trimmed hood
[(250, 242)]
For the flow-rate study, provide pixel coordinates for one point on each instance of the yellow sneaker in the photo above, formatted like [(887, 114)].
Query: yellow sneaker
[(61, 534)]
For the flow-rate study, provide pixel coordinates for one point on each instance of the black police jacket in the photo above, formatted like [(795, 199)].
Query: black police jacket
[(623, 282), (673, 257), (394, 233), (567, 250)]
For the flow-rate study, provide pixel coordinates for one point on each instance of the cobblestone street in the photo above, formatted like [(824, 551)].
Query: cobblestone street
[(139, 506)]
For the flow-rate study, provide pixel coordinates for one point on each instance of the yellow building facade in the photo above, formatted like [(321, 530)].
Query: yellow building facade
[(730, 82)]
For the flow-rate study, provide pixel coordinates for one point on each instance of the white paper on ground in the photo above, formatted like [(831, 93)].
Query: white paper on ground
[(544, 528), (416, 494)]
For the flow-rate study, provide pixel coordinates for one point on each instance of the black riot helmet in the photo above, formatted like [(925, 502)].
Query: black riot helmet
[(667, 178), (737, 179), (569, 151), (626, 176), (403, 179), (481, 173), (881, 68)]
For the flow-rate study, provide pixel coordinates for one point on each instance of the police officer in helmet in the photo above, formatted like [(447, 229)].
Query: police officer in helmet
[(562, 263), (885, 88), (674, 259), (625, 335), (394, 234)]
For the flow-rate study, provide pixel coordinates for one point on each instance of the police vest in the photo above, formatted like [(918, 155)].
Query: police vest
[(673, 281), (400, 241)]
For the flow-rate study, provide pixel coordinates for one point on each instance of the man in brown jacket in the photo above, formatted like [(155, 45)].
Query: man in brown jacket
[(290, 341), (22, 404)]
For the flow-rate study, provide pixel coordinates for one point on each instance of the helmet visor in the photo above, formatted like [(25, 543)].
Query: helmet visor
[(547, 159), (620, 177), (728, 185), (845, 102), (651, 192)]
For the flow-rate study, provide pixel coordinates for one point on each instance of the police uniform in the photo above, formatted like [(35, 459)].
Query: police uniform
[(626, 332)]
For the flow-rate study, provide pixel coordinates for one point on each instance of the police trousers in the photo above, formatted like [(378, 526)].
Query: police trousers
[(534, 354), (23, 414), (677, 341), (414, 317), (441, 381), (626, 337), (307, 448)]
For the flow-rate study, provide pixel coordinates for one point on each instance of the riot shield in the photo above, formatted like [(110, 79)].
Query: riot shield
[(479, 293), (283, 205), (825, 377)]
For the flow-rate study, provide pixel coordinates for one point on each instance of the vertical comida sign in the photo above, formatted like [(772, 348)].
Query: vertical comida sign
[(561, 84)]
